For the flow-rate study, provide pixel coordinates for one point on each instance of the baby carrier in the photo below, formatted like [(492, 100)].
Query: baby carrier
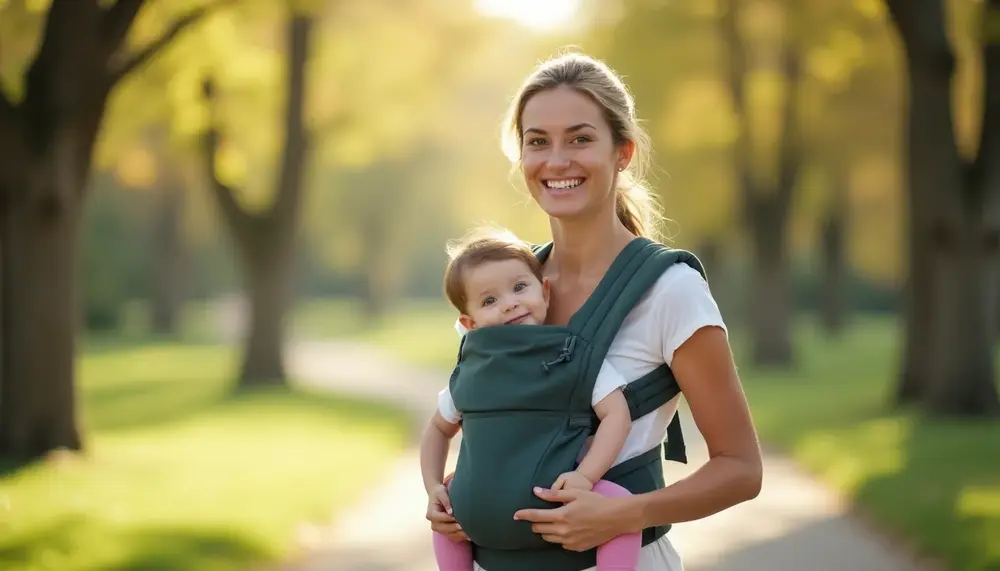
[(524, 392)]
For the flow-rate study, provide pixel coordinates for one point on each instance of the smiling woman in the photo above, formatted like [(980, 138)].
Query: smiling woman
[(531, 13)]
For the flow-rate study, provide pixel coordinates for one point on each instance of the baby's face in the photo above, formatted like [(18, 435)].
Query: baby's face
[(504, 293)]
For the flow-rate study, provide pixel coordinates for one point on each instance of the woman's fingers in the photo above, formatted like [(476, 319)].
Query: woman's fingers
[(549, 529), (557, 496), (553, 538), (445, 524), (440, 516)]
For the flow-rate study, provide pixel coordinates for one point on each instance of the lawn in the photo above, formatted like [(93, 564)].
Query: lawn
[(179, 476), (935, 483)]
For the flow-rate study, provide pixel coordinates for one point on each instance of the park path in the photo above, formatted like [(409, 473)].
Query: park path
[(795, 524)]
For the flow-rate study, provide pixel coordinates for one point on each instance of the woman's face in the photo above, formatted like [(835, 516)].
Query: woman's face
[(568, 155)]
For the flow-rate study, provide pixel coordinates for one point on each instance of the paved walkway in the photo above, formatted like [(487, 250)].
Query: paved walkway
[(794, 525)]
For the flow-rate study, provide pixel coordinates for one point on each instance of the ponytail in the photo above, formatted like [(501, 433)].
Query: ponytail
[(636, 211)]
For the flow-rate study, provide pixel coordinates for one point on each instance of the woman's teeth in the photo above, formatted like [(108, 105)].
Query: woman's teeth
[(564, 184)]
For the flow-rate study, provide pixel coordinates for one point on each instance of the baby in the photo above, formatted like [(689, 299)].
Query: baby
[(495, 279)]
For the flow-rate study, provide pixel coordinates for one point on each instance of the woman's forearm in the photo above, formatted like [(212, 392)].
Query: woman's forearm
[(720, 483)]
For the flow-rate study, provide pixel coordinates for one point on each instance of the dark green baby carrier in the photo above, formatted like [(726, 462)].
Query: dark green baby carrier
[(524, 392)]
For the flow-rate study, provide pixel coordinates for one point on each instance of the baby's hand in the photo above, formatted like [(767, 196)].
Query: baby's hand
[(439, 497), (572, 481)]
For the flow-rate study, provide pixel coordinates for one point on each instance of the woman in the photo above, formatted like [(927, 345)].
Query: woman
[(572, 130)]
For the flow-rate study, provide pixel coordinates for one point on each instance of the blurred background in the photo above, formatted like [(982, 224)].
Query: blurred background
[(224, 225)]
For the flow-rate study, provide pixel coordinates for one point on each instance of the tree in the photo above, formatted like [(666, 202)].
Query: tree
[(953, 233), (833, 236), (167, 283), (265, 240), (765, 202), (46, 145)]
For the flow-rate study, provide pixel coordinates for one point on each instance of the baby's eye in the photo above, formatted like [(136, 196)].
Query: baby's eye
[(519, 286), (489, 301)]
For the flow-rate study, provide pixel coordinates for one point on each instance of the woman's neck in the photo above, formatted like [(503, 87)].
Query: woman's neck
[(587, 247)]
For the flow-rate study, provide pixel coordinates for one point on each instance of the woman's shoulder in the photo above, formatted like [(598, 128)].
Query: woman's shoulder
[(679, 284), (679, 303)]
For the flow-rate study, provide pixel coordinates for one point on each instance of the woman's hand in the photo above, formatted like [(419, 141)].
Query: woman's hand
[(584, 521), (439, 514)]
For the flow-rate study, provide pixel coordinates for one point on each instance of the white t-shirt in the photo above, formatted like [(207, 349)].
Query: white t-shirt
[(676, 306)]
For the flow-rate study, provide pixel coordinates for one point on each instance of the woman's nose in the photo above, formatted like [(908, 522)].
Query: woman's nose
[(558, 158)]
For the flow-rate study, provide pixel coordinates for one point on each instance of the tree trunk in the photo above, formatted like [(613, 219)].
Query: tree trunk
[(38, 404), (167, 287), (833, 302), (269, 284), (766, 205), (46, 148), (954, 233), (771, 306), (266, 240), (377, 251)]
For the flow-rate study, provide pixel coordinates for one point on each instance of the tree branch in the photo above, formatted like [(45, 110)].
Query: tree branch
[(11, 143), (121, 65), (790, 156), (239, 221), (117, 21), (285, 208), (988, 153), (735, 73), (7, 107)]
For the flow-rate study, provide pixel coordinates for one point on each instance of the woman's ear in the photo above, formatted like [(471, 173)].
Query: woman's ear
[(467, 322), (625, 153)]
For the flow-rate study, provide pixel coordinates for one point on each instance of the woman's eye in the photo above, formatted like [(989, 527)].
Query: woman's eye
[(535, 142), (581, 139)]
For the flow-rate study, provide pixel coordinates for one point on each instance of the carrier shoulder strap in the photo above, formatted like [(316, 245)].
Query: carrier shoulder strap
[(638, 267)]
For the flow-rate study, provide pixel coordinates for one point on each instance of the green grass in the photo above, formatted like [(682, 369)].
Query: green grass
[(420, 332), (179, 476), (935, 483)]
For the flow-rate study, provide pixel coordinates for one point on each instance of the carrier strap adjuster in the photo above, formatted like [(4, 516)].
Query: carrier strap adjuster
[(565, 355)]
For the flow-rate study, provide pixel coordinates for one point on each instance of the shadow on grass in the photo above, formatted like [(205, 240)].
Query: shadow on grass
[(144, 548), (151, 404), (141, 405)]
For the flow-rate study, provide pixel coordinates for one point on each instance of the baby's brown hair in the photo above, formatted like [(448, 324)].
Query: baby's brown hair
[(486, 244)]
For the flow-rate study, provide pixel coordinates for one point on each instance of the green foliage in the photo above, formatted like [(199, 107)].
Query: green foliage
[(405, 100)]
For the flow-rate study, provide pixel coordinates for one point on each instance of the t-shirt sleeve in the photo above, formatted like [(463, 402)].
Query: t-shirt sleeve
[(446, 406), (608, 379), (686, 306)]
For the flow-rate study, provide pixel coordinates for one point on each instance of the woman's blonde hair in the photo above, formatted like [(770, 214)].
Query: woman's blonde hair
[(634, 203)]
